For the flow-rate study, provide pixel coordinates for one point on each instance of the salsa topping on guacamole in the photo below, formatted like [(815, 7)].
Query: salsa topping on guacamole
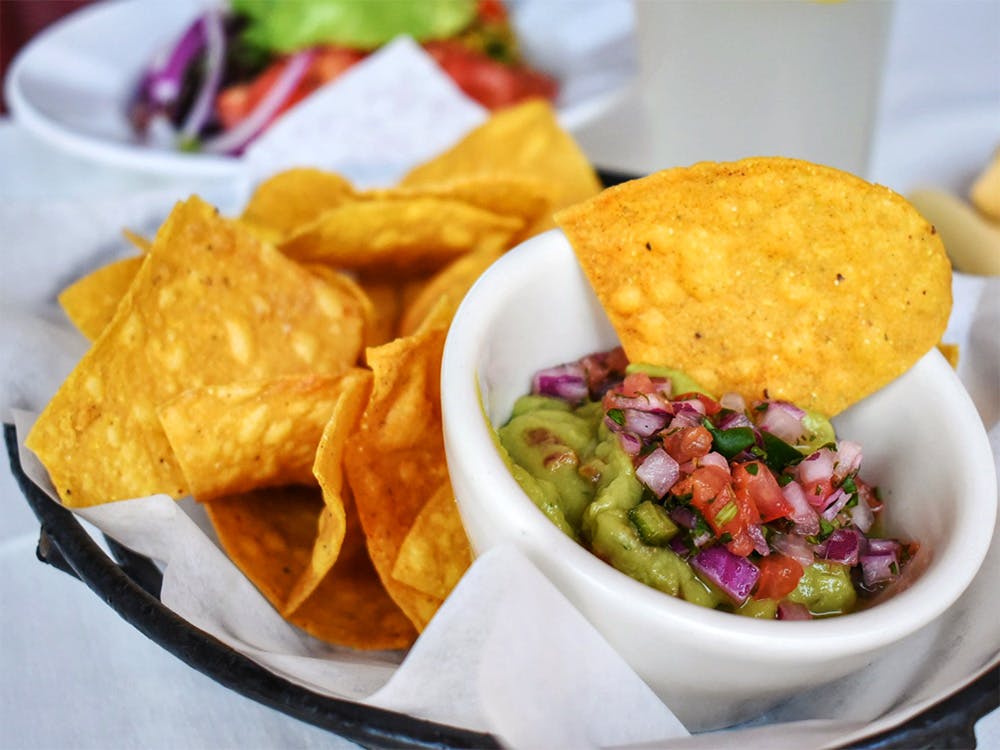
[(755, 508)]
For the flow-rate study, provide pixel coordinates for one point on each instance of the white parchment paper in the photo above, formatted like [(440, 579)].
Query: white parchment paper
[(506, 653)]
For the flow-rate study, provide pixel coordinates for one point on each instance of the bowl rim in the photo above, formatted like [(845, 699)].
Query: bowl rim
[(933, 592)]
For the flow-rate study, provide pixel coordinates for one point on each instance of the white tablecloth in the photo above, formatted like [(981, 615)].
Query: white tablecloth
[(73, 674)]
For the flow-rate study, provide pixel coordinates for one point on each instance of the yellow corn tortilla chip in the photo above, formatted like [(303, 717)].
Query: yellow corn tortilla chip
[(524, 140), (526, 197), (138, 241), (985, 190), (209, 305), (248, 435), (294, 198), (399, 236), (349, 289), (435, 552), (90, 302), (269, 535), (950, 352), (396, 461), (328, 469), (766, 273), (450, 284)]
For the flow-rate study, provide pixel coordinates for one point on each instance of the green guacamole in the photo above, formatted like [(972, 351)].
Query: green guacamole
[(574, 469)]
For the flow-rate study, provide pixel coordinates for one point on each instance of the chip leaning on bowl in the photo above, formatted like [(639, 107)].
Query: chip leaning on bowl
[(282, 368)]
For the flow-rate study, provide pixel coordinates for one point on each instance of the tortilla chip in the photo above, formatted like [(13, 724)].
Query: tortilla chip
[(359, 302), (950, 352), (435, 553), (328, 469), (269, 535), (450, 284), (209, 305), (525, 197), (243, 436), (396, 461), (766, 273), (295, 197), (525, 140), (399, 236), (90, 302), (985, 190)]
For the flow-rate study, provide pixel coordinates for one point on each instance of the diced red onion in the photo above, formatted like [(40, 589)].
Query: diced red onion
[(843, 546), (645, 423), (733, 401), (714, 459), (604, 369), (862, 515), (630, 443), (793, 611), (884, 547), (734, 575), (690, 403), (759, 542), (685, 416), (215, 58), (566, 382), (848, 460), (878, 568), (678, 547), (816, 467), (835, 504), (794, 546), (233, 141), (784, 420), (684, 516), (658, 471), (735, 419), (803, 516)]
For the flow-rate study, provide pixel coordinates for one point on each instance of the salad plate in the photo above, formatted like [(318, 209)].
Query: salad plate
[(72, 87)]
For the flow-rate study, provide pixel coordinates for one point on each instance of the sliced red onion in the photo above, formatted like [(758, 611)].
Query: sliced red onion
[(848, 460), (784, 420), (878, 568), (163, 80), (734, 575), (658, 471), (806, 519), (794, 546), (233, 141), (843, 546), (215, 58), (644, 423), (793, 611), (835, 504), (567, 382), (816, 467)]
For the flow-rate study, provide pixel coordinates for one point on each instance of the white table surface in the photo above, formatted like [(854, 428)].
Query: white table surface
[(73, 674)]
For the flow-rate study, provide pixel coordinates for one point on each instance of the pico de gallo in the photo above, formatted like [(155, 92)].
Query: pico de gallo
[(755, 508), (235, 70)]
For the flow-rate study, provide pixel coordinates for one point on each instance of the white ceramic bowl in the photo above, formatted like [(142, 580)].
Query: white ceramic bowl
[(924, 445)]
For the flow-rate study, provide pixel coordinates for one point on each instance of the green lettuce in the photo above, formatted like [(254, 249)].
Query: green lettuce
[(291, 25)]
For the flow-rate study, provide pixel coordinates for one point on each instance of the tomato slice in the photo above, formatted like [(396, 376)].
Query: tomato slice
[(756, 481), (779, 575)]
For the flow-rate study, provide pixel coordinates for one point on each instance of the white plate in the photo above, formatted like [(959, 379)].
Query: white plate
[(71, 85)]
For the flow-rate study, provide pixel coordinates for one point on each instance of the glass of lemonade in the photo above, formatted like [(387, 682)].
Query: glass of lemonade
[(725, 79)]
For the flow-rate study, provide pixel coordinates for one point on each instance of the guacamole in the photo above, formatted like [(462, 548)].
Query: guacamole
[(755, 509)]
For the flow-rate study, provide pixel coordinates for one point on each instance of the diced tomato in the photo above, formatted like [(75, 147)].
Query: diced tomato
[(236, 102), (636, 383), (492, 10), (817, 492), (492, 84), (712, 406), (779, 575), (713, 496), (688, 443), (756, 481)]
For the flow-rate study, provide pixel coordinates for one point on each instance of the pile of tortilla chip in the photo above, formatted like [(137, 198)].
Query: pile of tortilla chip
[(282, 368), (766, 274)]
